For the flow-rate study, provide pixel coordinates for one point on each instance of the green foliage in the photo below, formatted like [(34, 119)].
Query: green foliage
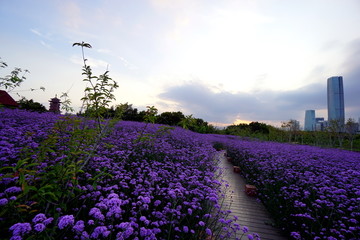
[(14, 79), (31, 105), (253, 129), (150, 116), (66, 103), (100, 92), (170, 118), (188, 122), (49, 187)]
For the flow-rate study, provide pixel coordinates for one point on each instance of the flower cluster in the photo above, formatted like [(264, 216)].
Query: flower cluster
[(140, 181), (314, 193)]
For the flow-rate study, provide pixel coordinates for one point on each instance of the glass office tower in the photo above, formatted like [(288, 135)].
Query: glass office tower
[(335, 100), (310, 120)]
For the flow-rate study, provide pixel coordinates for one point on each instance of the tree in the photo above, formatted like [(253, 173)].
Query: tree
[(188, 122), (257, 127), (170, 118), (336, 130), (31, 105), (351, 128), (127, 112), (292, 127)]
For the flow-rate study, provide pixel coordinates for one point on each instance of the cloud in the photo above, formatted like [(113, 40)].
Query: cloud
[(92, 62), (226, 107), (264, 106)]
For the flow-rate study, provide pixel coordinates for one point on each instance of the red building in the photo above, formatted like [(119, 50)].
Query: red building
[(6, 100)]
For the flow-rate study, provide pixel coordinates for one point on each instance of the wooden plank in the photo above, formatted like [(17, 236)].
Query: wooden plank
[(249, 210)]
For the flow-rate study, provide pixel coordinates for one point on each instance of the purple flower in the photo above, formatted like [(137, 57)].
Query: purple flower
[(157, 203), (84, 236), (185, 229), (96, 213), (295, 235), (3, 201), (79, 226), (67, 220), (208, 232), (13, 190), (146, 200), (39, 218), (19, 229), (189, 211), (250, 236), (201, 223), (48, 221), (100, 231), (143, 232), (16, 238), (245, 229), (39, 227)]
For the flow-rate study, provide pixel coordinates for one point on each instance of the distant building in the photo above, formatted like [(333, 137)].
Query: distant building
[(335, 101), (310, 120), (55, 105), (6, 100), (320, 124)]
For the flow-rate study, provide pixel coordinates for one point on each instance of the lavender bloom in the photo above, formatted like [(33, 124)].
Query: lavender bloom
[(3, 201), (79, 226), (84, 236), (96, 213), (39, 218), (39, 227), (13, 190), (100, 231), (19, 229), (48, 221), (13, 198), (295, 235), (16, 238), (65, 221)]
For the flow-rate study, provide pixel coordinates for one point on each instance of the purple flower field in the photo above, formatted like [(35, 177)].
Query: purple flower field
[(313, 193), (59, 180)]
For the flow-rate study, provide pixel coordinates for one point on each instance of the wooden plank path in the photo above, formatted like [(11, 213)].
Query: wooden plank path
[(249, 210)]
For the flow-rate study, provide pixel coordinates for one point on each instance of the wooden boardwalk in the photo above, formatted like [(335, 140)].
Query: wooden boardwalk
[(249, 210)]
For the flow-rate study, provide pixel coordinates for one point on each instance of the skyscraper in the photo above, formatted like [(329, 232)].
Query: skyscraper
[(310, 120), (335, 101)]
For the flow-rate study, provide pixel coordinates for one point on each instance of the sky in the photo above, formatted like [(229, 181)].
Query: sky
[(227, 61)]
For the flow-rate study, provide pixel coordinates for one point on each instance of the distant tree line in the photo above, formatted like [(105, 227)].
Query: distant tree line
[(127, 112), (334, 136), (288, 132)]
